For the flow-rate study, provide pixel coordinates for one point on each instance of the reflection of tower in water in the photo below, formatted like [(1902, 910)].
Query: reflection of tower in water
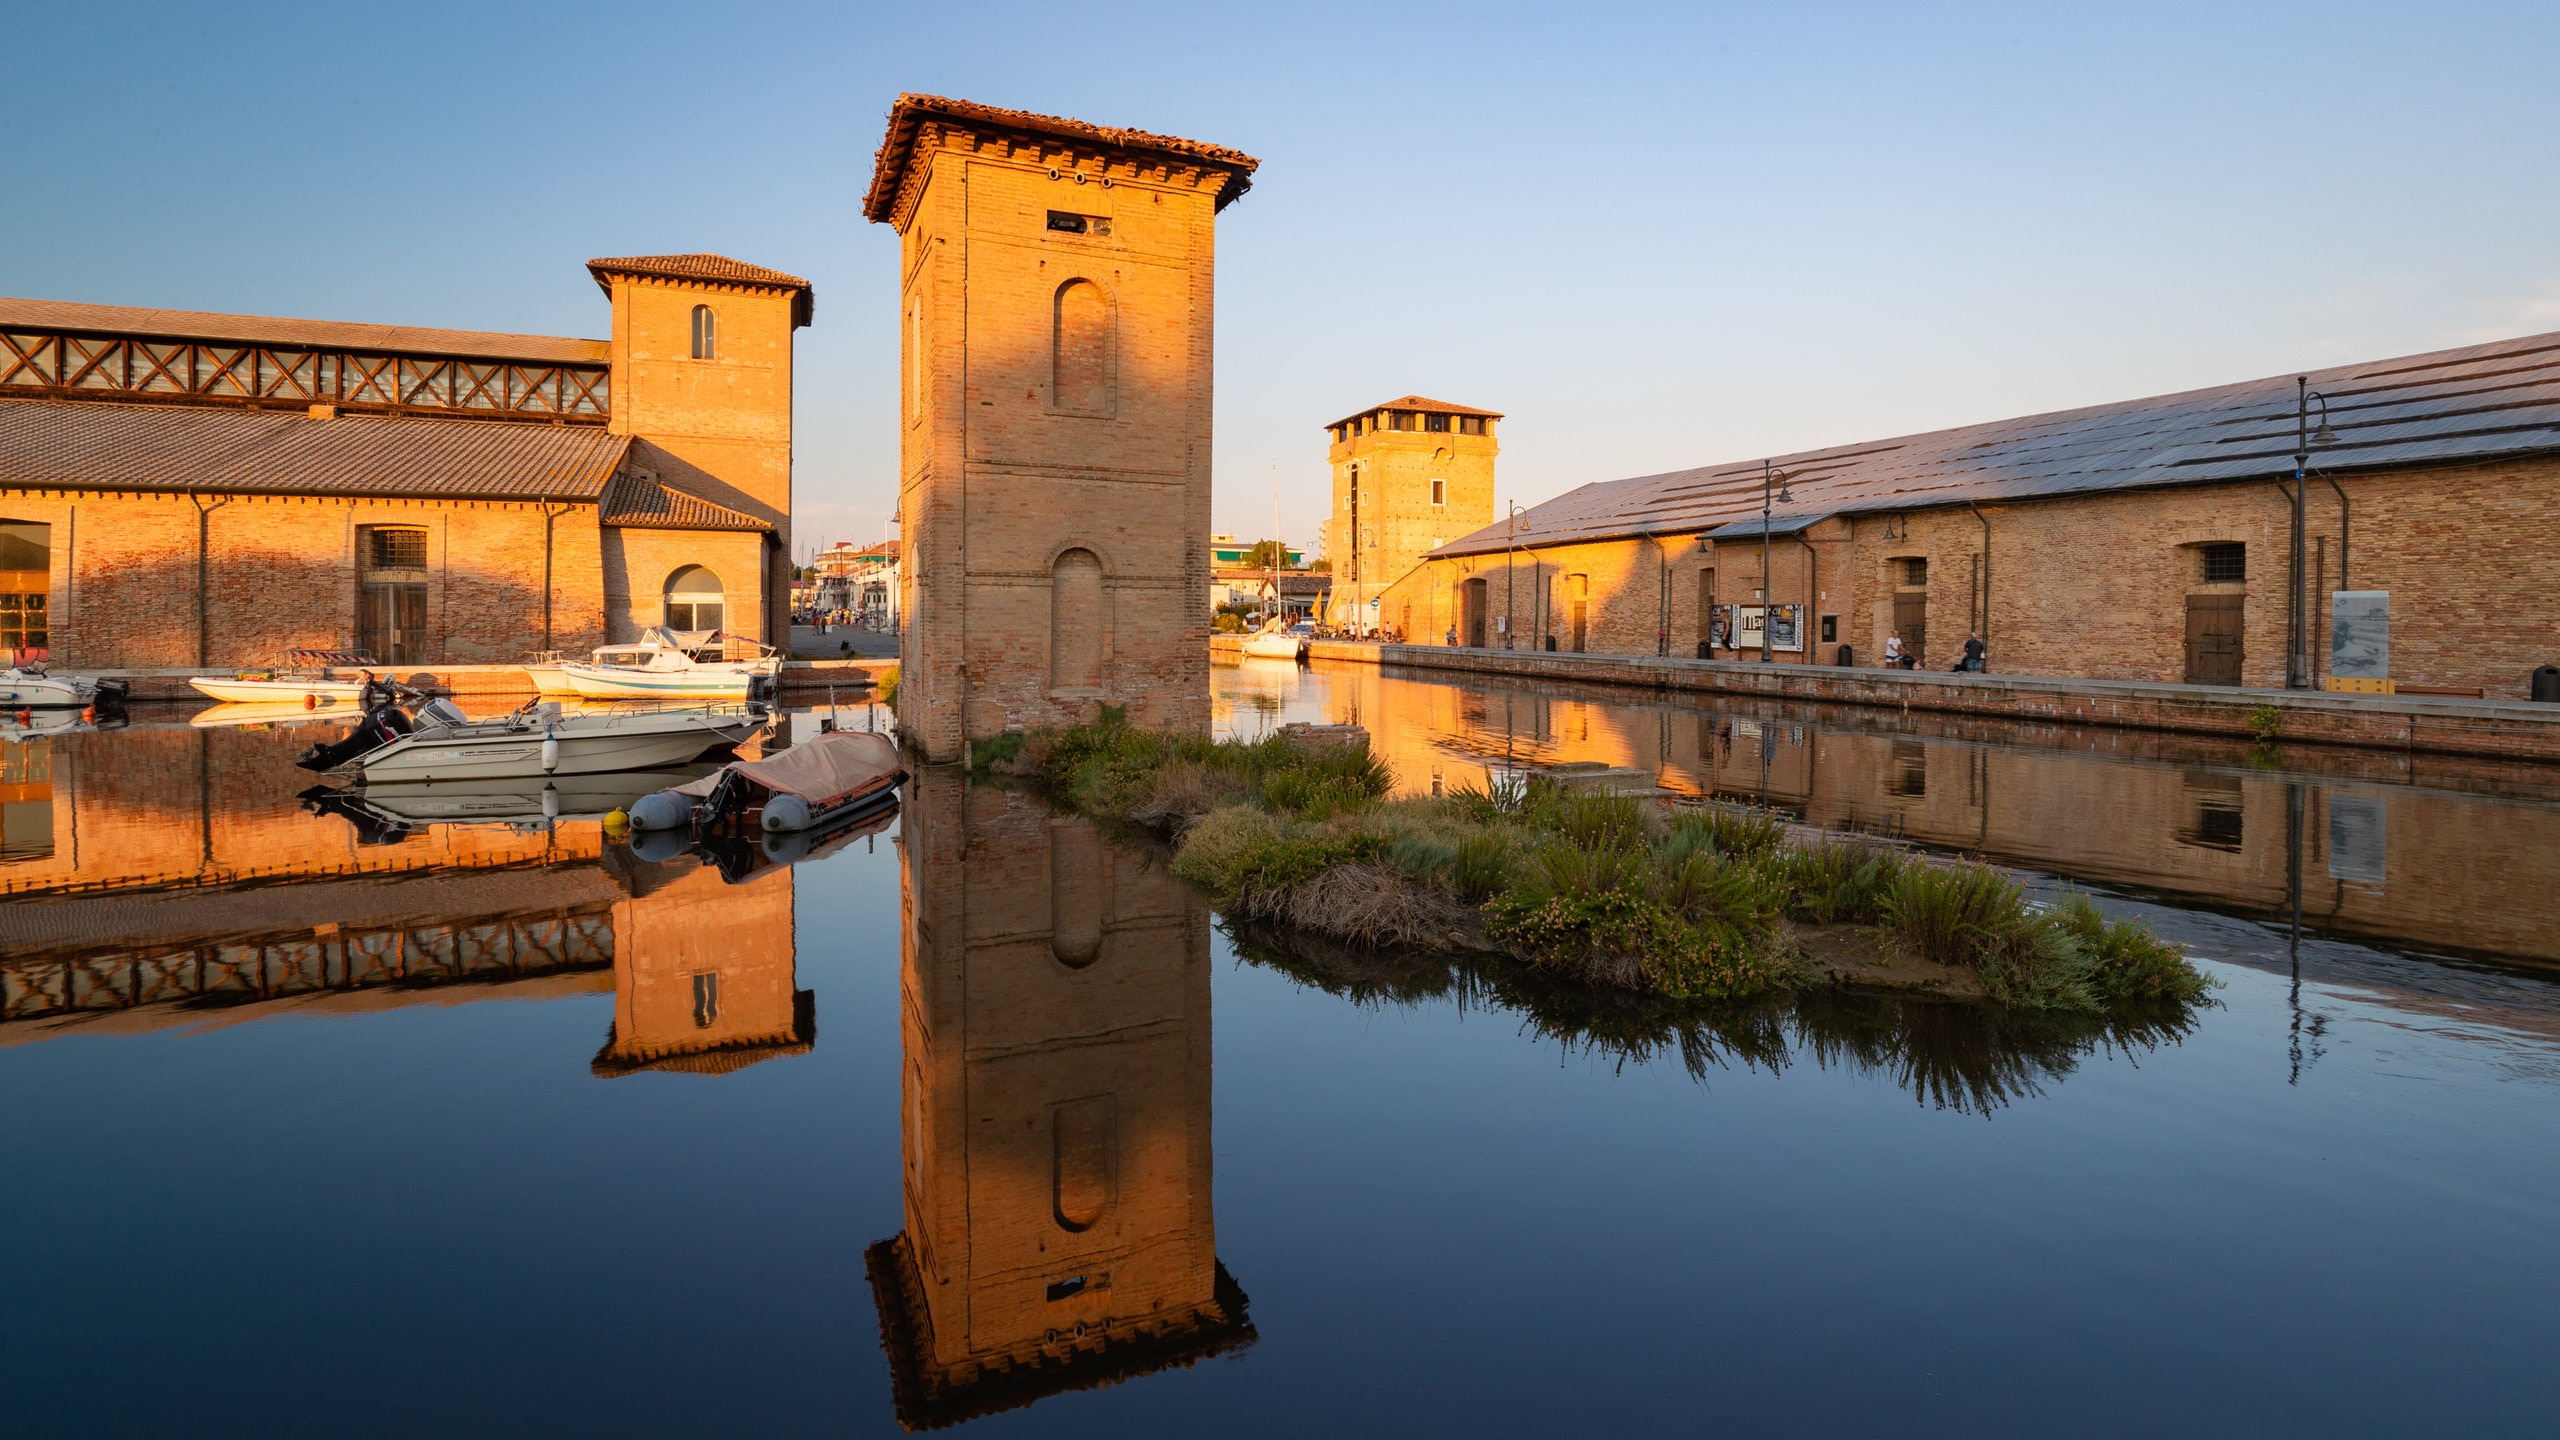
[(1055, 1114)]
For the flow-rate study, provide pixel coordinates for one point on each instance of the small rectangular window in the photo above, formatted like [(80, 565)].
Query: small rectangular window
[(1915, 572), (2225, 564), (1830, 629), (1439, 492), (1436, 424), (397, 549), (1066, 224)]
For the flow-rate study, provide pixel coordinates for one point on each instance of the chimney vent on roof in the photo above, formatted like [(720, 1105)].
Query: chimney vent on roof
[(324, 412)]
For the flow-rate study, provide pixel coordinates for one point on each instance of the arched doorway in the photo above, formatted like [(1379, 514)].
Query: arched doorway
[(695, 600), (26, 591)]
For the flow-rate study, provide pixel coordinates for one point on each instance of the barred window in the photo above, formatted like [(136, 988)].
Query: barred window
[(1915, 571), (2225, 564), (397, 548)]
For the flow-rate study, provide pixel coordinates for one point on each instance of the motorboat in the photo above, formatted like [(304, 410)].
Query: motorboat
[(799, 799), (296, 677), (1277, 640), (550, 682), (33, 687), (661, 665), (438, 742), (388, 813), (260, 714)]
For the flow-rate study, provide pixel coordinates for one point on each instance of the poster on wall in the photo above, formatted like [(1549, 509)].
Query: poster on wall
[(2360, 634), (1786, 627)]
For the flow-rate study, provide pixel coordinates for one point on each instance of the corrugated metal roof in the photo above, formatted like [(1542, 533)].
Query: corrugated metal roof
[(314, 334), (1749, 529), (649, 505), (1417, 402), (58, 445), (2447, 406)]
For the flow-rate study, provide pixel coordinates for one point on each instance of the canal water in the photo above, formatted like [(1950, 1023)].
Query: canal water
[(452, 1114)]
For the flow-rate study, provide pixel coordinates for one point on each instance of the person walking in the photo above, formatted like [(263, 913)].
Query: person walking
[(1893, 651)]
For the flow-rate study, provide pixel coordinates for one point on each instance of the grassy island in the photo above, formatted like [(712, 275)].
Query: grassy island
[(1604, 892)]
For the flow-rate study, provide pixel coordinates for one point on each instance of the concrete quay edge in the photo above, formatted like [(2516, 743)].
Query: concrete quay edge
[(798, 676), (2500, 729)]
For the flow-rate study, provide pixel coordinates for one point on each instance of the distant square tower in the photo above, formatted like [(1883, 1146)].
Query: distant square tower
[(1408, 476), (1056, 294)]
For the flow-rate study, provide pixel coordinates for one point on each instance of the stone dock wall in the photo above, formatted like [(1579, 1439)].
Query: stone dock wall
[(801, 679), (2496, 729)]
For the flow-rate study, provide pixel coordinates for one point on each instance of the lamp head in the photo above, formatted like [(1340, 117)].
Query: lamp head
[(2324, 435)]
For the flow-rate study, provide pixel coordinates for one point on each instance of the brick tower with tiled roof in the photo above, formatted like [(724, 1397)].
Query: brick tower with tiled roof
[(702, 352), (1055, 320), (1408, 474)]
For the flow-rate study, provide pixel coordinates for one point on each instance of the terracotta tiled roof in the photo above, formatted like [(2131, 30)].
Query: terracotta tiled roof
[(317, 334), (2446, 407), (717, 269), (889, 166), (648, 505), (47, 444), (1417, 402)]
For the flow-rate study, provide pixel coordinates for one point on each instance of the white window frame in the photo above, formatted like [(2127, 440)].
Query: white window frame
[(1439, 492)]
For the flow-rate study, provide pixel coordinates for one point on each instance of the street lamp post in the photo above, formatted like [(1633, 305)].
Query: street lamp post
[(1767, 474), (2297, 667)]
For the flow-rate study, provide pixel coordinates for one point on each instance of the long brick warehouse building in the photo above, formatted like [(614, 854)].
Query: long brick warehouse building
[(185, 489), (2147, 540)]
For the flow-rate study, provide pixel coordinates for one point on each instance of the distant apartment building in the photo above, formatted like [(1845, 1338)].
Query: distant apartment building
[(1409, 476)]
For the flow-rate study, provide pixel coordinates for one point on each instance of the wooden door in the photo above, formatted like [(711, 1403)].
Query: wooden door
[(1471, 614), (1706, 609), (2213, 639), (1581, 619), (1911, 617)]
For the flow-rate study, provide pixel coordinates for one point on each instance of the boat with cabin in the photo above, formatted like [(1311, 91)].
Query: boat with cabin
[(666, 664)]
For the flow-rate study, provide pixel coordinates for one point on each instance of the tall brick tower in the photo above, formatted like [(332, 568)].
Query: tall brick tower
[(1056, 292), (702, 382), (1408, 476)]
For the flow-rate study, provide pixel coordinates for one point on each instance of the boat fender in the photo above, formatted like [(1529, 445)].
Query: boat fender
[(550, 752), (786, 849), (550, 804), (786, 812), (310, 702), (656, 845), (616, 821), (664, 810)]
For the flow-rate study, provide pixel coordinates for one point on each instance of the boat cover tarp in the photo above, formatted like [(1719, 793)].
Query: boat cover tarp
[(832, 767)]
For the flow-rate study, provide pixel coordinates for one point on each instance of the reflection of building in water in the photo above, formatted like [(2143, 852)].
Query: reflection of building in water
[(1056, 1115), (2188, 818), (703, 977), (180, 880)]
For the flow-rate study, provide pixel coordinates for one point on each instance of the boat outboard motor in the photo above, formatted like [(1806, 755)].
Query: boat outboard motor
[(378, 728)]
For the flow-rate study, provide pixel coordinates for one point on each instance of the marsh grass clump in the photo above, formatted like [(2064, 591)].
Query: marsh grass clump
[(1600, 892)]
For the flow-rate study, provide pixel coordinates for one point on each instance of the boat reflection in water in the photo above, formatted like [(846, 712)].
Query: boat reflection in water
[(186, 879), (1056, 1114)]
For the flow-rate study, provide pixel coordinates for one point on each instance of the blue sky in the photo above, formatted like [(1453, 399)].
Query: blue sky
[(1654, 236)]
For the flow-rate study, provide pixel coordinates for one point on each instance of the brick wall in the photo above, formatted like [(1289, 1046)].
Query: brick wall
[(1003, 474), (280, 573), (1398, 522), (2088, 587)]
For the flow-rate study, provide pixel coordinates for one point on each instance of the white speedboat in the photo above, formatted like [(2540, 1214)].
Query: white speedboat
[(1275, 641), (32, 687), (527, 801), (661, 666), (294, 677), (441, 743)]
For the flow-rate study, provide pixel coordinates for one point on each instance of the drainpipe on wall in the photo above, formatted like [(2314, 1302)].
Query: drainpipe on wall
[(1986, 583), (2342, 531), (204, 573), (1810, 628)]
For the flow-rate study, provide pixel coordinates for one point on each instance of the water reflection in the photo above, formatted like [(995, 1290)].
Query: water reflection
[(176, 875), (2334, 839), (1952, 1056), (1055, 1114)]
